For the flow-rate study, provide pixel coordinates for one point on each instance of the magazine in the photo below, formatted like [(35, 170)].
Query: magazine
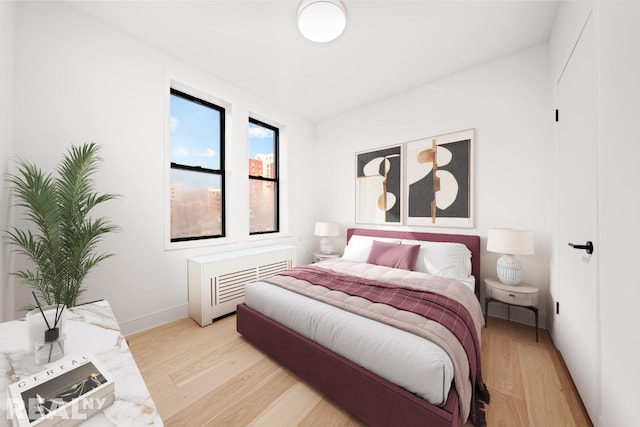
[(67, 393)]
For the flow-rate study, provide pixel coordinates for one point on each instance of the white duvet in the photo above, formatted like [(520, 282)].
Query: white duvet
[(405, 359)]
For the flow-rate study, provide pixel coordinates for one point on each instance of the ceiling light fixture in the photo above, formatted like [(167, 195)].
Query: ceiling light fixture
[(321, 20)]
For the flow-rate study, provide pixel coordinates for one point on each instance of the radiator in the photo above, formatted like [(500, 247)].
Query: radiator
[(216, 282)]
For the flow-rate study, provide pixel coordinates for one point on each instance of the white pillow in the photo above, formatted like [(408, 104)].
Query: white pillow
[(358, 248), (444, 259)]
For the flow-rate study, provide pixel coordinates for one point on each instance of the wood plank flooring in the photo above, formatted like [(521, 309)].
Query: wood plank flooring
[(212, 377)]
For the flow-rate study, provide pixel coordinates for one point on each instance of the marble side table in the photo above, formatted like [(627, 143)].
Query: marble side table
[(90, 328)]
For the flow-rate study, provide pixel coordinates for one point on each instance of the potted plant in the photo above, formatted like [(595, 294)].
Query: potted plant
[(62, 240)]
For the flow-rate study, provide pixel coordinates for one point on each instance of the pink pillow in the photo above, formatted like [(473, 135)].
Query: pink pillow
[(393, 255)]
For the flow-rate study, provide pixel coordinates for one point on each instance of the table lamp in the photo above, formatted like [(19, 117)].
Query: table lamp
[(325, 230), (510, 242)]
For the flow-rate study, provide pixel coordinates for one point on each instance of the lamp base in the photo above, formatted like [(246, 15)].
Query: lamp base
[(509, 269), (326, 246)]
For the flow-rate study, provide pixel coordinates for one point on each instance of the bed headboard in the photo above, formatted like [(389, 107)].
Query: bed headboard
[(470, 241)]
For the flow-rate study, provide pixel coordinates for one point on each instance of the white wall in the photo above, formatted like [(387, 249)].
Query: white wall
[(618, 70), (7, 51), (570, 19), (618, 109), (508, 103), (79, 81)]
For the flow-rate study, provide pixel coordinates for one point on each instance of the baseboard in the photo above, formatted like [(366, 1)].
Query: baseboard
[(152, 320)]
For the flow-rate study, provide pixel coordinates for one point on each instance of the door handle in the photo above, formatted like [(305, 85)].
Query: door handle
[(588, 247)]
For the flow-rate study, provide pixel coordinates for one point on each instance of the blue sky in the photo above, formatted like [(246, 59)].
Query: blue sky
[(260, 140), (195, 140), (195, 134), (195, 131)]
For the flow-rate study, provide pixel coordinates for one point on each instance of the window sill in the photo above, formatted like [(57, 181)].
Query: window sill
[(269, 236), (193, 244)]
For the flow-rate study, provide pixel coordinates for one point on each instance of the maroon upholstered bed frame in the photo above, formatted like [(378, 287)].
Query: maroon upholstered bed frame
[(374, 400)]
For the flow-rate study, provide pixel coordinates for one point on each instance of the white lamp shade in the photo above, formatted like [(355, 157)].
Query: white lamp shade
[(327, 229), (321, 20), (510, 241)]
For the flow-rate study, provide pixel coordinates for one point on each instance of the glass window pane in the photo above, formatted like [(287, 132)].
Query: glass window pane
[(195, 134), (262, 203), (262, 142), (196, 204)]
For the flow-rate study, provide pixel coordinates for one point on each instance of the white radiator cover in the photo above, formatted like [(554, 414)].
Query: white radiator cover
[(216, 282)]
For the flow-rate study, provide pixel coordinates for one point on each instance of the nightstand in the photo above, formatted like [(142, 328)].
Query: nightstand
[(521, 295), (318, 256)]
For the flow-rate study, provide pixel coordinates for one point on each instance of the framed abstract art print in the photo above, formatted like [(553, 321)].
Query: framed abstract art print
[(439, 181), (379, 186)]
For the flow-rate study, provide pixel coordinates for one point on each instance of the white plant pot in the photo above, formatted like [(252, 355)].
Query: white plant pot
[(36, 325)]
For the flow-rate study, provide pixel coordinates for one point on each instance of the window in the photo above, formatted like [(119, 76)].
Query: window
[(263, 178), (197, 168)]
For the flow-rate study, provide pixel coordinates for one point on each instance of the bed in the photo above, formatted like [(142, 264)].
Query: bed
[(377, 398)]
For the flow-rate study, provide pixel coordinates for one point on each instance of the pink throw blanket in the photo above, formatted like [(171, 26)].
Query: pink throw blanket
[(433, 306)]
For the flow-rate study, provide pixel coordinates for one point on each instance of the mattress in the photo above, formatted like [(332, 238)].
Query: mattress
[(405, 359)]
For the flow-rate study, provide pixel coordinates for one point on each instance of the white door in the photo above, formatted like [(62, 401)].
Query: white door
[(575, 322)]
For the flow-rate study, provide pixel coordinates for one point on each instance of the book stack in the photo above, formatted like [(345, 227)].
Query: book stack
[(66, 394)]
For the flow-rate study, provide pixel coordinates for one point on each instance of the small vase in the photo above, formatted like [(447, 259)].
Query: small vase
[(36, 325), (50, 349)]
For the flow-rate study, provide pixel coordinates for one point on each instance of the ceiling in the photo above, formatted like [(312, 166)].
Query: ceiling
[(387, 48)]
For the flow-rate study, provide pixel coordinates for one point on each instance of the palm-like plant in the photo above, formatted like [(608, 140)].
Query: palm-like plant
[(64, 243)]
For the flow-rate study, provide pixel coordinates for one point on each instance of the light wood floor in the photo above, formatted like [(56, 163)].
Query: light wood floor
[(211, 376)]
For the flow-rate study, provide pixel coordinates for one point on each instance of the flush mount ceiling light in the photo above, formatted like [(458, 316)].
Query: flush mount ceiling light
[(321, 20)]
